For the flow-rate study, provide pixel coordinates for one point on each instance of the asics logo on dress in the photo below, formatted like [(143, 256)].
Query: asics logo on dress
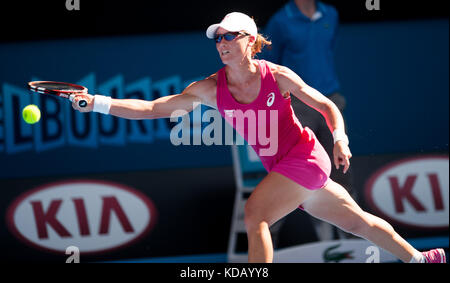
[(271, 99)]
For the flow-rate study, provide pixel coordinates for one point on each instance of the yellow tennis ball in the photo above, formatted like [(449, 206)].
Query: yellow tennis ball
[(31, 114)]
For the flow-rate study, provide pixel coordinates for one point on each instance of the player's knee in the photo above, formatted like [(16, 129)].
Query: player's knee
[(250, 215), (254, 218)]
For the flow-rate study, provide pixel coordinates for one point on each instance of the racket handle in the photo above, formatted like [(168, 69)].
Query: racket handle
[(82, 103)]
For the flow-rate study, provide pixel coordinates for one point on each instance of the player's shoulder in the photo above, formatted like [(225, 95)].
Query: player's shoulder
[(285, 78), (279, 71), (205, 89), (212, 79), (204, 84)]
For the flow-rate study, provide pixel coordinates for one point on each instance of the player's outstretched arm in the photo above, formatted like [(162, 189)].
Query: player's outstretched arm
[(290, 82), (200, 92)]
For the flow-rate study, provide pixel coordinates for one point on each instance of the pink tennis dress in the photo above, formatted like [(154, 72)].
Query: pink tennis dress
[(270, 126)]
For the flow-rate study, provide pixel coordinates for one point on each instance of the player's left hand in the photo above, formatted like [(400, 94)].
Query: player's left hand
[(342, 155)]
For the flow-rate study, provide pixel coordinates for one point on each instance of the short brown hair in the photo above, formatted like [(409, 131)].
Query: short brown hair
[(260, 42)]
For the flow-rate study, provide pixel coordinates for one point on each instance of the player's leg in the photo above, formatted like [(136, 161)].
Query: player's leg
[(312, 119), (273, 198), (325, 138), (334, 205)]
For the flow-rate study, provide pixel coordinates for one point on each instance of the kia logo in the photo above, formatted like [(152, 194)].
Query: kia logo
[(412, 192), (91, 215)]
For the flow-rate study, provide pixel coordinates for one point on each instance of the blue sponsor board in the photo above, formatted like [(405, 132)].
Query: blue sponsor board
[(66, 141)]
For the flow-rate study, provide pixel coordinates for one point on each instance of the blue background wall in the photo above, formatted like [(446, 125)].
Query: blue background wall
[(395, 78)]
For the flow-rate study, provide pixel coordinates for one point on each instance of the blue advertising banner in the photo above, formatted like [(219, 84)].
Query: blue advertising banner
[(143, 67)]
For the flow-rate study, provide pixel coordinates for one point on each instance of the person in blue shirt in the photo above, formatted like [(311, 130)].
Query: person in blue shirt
[(303, 35)]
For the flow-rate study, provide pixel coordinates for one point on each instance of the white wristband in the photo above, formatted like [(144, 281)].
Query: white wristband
[(339, 135), (102, 104)]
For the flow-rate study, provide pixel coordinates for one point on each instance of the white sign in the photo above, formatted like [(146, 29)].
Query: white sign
[(412, 192), (91, 215)]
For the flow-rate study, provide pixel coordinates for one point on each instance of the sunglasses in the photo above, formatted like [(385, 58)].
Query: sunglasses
[(229, 36)]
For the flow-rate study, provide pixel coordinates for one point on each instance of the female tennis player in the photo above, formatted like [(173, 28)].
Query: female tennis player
[(298, 172)]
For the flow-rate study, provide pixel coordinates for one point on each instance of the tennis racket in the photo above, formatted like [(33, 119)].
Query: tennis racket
[(61, 89)]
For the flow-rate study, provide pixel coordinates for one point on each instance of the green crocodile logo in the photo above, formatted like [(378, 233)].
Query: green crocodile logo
[(334, 256)]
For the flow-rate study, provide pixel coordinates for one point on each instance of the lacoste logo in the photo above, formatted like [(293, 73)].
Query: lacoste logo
[(334, 256), (271, 99)]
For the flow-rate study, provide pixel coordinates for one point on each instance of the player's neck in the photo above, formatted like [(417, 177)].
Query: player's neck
[(242, 72), (307, 7)]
